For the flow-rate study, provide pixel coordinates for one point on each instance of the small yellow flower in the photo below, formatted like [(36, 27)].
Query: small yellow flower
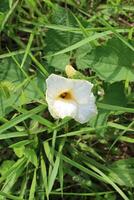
[(70, 97)]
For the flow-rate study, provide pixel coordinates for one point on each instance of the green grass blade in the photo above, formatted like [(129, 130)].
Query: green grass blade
[(9, 196), (44, 176), (117, 34), (115, 108), (16, 134), (119, 126), (21, 118), (82, 131), (54, 173), (81, 168), (108, 180), (27, 49), (81, 43), (38, 118), (8, 15), (33, 186)]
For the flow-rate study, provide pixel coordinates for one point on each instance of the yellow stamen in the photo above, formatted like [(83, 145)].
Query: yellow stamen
[(66, 95)]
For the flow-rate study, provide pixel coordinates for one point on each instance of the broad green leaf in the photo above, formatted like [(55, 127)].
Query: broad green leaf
[(15, 88), (29, 91), (111, 62), (4, 6), (82, 56), (58, 40), (59, 62), (115, 94), (81, 43), (100, 120), (9, 70), (122, 172)]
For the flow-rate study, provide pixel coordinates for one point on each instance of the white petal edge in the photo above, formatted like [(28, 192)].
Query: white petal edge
[(57, 84), (82, 91), (86, 111)]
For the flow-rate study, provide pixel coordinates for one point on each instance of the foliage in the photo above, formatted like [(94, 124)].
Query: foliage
[(42, 158)]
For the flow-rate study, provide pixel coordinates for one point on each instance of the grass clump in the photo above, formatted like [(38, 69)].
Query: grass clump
[(42, 158)]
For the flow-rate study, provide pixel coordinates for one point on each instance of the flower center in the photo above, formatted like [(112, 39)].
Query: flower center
[(66, 95)]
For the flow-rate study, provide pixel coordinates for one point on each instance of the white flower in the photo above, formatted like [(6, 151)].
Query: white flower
[(70, 97)]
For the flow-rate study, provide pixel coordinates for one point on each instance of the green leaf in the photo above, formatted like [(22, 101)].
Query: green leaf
[(19, 163), (115, 108), (20, 144), (54, 173), (5, 166), (111, 62), (32, 4), (16, 87), (7, 135), (31, 156), (58, 40), (9, 70), (48, 152), (19, 151), (9, 196), (21, 118), (115, 95), (33, 187), (44, 175), (82, 56), (19, 147), (59, 62), (81, 43), (19, 94), (122, 172), (100, 120), (12, 175), (4, 6)]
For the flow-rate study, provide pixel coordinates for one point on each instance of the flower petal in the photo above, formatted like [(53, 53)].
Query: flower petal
[(86, 111), (57, 84), (61, 109), (82, 90), (70, 97)]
